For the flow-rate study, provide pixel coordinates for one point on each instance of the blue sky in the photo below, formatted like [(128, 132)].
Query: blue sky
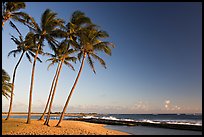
[(156, 66)]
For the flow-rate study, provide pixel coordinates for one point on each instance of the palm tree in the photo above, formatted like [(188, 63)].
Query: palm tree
[(10, 11), (78, 18), (6, 86), (88, 45), (25, 47), (48, 30), (62, 56)]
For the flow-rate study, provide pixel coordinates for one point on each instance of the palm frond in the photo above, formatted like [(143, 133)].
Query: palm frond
[(15, 40), (15, 6), (58, 33), (78, 18), (22, 17), (69, 65), (73, 59), (32, 25), (74, 44), (91, 63), (28, 57), (79, 55), (6, 86), (51, 64), (14, 52), (14, 26), (33, 55), (102, 62), (5, 94), (5, 76)]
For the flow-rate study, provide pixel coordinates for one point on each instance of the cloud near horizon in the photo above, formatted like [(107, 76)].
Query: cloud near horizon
[(168, 106), (139, 107)]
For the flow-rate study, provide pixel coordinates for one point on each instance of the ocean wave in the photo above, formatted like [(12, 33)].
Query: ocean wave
[(181, 122)]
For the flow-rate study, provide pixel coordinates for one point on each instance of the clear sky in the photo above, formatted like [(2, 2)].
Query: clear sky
[(156, 66)]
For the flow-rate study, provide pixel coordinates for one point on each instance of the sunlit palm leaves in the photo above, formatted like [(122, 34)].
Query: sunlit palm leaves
[(27, 46), (62, 52), (49, 29), (90, 42), (10, 11), (6, 85)]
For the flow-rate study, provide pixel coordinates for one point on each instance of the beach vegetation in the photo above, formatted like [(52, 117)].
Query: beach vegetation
[(10, 12), (6, 85)]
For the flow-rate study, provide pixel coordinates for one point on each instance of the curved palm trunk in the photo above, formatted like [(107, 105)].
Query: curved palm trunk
[(53, 94), (13, 80), (72, 90), (31, 88), (53, 82)]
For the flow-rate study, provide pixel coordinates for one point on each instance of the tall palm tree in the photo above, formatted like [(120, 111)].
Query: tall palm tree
[(48, 30), (89, 43), (10, 11), (62, 56), (70, 30), (26, 47), (6, 85)]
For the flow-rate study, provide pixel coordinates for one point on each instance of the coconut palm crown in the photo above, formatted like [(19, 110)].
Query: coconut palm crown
[(90, 43), (10, 12)]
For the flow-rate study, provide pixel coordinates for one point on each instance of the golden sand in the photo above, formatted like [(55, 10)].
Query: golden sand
[(68, 127)]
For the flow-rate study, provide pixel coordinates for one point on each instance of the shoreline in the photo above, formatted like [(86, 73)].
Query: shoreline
[(16, 126), (52, 114)]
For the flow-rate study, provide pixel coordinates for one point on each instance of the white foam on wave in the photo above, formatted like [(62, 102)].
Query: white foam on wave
[(107, 118), (150, 121), (88, 117), (126, 119), (110, 118), (182, 122)]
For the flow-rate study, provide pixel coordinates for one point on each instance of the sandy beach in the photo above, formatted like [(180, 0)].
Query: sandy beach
[(69, 127)]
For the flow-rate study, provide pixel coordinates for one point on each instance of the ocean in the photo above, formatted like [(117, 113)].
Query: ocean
[(175, 119)]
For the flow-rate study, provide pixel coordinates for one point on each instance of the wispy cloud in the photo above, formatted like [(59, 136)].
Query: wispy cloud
[(139, 106)]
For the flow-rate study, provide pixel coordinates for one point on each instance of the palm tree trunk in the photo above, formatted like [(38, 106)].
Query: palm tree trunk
[(31, 87), (53, 94), (72, 90), (13, 80), (53, 82)]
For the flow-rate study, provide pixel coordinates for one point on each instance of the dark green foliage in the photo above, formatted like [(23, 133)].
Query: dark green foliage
[(6, 85)]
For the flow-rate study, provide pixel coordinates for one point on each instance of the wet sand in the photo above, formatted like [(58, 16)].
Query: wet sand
[(68, 127)]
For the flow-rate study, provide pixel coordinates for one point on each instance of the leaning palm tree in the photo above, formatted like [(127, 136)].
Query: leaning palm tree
[(6, 85), (48, 30), (70, 32), (25, 47), (88, 45), (10, 12), (62, 56)]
